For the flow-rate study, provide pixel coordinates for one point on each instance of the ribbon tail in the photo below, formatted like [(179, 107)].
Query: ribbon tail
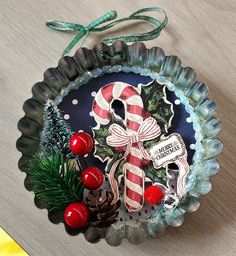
[(113, 181), (74, 42), (145, 153), (183, 165)]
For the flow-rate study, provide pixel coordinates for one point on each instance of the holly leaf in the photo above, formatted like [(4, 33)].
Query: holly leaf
[(103, 152), (156, 104), (100, 134), (156, 175), (150, 143)]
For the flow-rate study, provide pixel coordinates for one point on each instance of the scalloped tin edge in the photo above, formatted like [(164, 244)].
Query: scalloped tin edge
[(138, 59)]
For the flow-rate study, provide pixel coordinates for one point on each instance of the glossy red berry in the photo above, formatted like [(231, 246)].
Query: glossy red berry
[(153, 194), (76, 215), (92, 178), (81, 143)]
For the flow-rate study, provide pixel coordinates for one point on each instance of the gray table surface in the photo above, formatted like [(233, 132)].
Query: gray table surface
[(201, 33)]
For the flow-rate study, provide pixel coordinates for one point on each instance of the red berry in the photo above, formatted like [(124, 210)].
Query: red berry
[(120, 149), (81, 143), (153, 194), (92, 178), (145, 162), (76, 215)]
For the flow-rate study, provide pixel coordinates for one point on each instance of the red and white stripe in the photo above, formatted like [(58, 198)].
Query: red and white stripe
[(183, 165), (134, 176)]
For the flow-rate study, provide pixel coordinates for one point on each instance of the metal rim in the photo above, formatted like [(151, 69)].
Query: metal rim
[(154, 60)]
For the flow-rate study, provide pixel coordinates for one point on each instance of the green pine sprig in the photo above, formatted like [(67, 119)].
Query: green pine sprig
[(56, 182)]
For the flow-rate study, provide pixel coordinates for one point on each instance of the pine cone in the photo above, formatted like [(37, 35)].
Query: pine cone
[(103, 213)]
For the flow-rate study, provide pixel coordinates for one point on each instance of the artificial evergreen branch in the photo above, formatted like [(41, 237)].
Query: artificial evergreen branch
[(56, 181)]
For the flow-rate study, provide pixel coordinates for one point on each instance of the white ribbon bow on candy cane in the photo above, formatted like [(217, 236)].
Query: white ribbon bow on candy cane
[(148, 130)]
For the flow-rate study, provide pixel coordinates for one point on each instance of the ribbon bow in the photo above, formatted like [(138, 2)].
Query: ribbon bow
[(93, 26), (148, 130)]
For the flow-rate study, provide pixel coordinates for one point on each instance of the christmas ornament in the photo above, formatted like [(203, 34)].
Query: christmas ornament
[(152, 124), (76, 215), (81, 143), (92, 178), (103, 212), (153, 194)]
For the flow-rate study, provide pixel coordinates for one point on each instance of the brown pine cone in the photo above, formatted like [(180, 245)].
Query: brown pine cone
[(103, 213)]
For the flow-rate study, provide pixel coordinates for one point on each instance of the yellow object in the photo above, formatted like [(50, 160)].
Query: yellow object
[(8, 247)]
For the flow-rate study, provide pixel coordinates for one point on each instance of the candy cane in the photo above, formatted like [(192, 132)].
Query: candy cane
[(137, 130)]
